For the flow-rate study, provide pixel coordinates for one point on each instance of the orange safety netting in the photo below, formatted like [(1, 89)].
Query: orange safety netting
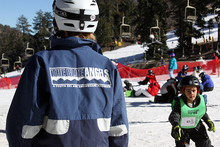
[(209, 67)]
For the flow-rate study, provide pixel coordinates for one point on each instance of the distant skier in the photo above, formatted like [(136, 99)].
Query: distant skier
[(18, 68), (163, 68), (182, 73), (215, 63), (128, 86), (172, 65), (151, 91), (150, 77), (196, 71)]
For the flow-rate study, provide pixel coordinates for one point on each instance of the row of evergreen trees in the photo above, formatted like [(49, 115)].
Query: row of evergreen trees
[(141, 15)]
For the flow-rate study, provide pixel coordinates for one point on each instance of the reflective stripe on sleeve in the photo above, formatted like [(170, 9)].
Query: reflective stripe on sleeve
[(29, 132), (104, 124), (55, 127), (118, 130)]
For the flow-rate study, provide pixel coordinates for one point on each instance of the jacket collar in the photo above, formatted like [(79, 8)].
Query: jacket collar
[(73, 42)]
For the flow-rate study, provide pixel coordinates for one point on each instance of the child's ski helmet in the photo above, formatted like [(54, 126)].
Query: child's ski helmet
[(202, 74), (194, 68), (172, 55), (199, 68), (150, 71), (185, 68), (189, 81), (126, 81)]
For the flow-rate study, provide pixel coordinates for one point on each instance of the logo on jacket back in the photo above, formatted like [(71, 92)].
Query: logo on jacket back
[(80, 77)]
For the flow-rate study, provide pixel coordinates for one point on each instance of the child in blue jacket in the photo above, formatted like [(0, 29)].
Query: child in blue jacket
[(182, 73), (207, 82)]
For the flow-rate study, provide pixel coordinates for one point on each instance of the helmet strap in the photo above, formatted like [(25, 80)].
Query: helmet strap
[(82, 22), (182, 89)]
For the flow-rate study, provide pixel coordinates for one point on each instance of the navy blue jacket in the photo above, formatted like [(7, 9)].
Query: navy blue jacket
[(68, 96), (207, 81), (181, 75)]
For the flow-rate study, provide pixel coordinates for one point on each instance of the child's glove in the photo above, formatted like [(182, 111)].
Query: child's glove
[(211, 125), (176, 132)]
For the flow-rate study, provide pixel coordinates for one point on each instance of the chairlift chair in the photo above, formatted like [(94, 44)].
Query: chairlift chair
[(218, 45), (123, 27), (125, 34), (19, 63), (155, 28), (158, 33), (4, 62), (190, 18), (214, 19), (29, 51)]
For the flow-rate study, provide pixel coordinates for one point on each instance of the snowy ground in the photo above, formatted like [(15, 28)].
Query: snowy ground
[(148, 122)]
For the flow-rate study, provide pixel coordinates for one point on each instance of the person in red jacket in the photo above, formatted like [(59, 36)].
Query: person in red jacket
[(150, 77), (8, 82), (215, 63), (151, 91)]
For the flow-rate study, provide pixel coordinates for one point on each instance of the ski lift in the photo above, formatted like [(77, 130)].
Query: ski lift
[(151, 33), (125, 29), (4, 62), (216, 19), (192, 11), (18, 63), (29, 51)]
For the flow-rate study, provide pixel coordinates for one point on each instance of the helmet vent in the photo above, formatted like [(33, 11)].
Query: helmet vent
[(69, 24), (69, 2), (90, 26)]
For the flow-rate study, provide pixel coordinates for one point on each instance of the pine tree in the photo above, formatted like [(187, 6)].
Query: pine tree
[(110, 18), (24, 26), (145, 17), (43, 24), (210, 26)]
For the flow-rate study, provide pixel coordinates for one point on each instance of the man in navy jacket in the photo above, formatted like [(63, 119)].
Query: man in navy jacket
[(70, 95)]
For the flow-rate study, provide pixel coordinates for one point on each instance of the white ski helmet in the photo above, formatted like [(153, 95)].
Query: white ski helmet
[(76, 15)]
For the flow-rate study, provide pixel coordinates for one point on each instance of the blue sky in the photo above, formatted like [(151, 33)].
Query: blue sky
[(11, 10)]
